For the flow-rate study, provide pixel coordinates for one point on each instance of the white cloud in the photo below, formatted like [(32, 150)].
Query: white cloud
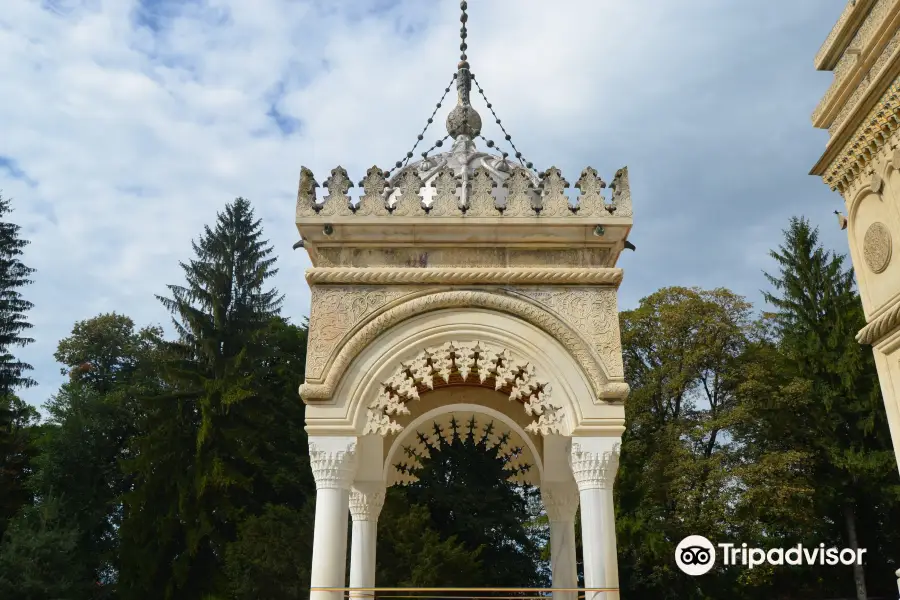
[(133, 123)]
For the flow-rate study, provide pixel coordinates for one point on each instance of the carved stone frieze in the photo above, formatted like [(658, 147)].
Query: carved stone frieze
[(590, 310), (335, 311), (428, 257), (877, 247), (321, 385)]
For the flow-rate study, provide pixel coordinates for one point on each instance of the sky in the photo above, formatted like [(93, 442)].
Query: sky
[(126, 125)]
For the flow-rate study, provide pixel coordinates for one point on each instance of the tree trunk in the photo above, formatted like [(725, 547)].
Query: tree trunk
[(859, 574)]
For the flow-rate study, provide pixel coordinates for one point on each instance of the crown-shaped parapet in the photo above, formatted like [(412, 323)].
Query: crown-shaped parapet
[(484, 192)]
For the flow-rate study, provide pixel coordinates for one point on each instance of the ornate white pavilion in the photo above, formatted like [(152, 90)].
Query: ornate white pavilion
[(464, 289)]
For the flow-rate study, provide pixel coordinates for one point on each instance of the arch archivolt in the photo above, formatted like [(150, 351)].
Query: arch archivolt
[(473, 363), (471, 422), (346, 320)]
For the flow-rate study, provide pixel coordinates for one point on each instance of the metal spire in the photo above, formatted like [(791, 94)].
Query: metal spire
[(463, 120)]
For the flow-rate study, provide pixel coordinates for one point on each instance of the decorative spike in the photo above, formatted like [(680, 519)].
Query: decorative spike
[(409, 202), (554, 202), (337, 203), (591, 201), (521, 199), (445, 202), (481, 200), (372, 202), (622, 196), (306, 194)]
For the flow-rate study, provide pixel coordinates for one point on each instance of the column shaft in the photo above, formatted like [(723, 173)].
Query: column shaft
[(333, 462), (561, 503), (366, 501)]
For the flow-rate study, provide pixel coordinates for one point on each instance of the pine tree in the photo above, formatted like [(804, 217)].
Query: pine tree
[(13, 276), (817, 314), (199, 465)]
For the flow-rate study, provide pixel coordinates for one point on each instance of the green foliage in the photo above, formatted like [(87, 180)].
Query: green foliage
[(14, 275), (271, 555), (38, 559), (17, 451)]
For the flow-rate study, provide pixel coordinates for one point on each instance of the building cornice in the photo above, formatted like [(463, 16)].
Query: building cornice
[(842, 34), (463, 276)]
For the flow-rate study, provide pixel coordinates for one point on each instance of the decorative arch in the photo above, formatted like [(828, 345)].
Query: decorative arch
[(525, 309), (519, 447), (474, 362)]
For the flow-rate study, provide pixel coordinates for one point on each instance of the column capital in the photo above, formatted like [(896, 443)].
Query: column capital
[(366, 500), (560, 500), (333, 461), (594, 461)]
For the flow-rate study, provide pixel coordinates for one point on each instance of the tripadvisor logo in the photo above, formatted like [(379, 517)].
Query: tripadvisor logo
[(696, 555)]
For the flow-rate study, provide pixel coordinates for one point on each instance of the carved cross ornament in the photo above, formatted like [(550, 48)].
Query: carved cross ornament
[(474, 363)]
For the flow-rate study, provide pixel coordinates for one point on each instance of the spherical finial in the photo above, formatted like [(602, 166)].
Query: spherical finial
[(463, 120)]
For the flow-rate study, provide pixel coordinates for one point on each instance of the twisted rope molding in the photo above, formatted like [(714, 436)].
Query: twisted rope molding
[(881, 326), (525, 310), (463, 275)]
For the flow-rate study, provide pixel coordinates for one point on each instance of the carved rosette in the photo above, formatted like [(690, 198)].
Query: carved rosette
[(333, 469), (434, 366), (409, 202), (593, 470), (554, 202), (372, 202), (445, 202), (520, 200), (366, 505), (560, 501), (481, 200), (877, 247)]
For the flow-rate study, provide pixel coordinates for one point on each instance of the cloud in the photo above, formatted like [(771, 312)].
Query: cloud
[(134, 122)]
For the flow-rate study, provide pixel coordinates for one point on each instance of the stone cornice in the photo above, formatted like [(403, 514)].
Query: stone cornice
[(463, 276), (871, 48), (843, 162), (880, 326), (841, 34)]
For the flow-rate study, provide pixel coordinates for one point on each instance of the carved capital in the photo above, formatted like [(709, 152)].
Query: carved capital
[(595, 462), (333, 462), (560, 500), (366, 501)]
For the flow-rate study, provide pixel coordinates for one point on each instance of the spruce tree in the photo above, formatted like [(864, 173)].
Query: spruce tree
[(16, 417), (201, 459), (817, 314), (14, 275)]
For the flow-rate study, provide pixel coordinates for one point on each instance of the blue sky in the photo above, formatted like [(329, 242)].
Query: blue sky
[(127, 124)]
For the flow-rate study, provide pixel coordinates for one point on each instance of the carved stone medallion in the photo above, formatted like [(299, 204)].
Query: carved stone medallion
[(877, 247)]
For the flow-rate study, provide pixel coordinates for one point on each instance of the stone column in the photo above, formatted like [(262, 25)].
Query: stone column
[(333, 461), (561, 503), (594, 463), (366, 500)]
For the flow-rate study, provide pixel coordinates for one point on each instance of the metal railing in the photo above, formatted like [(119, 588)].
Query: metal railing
[(463, 593)]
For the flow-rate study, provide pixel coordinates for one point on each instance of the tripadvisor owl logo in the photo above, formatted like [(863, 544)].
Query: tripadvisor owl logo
[(696, 555)]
